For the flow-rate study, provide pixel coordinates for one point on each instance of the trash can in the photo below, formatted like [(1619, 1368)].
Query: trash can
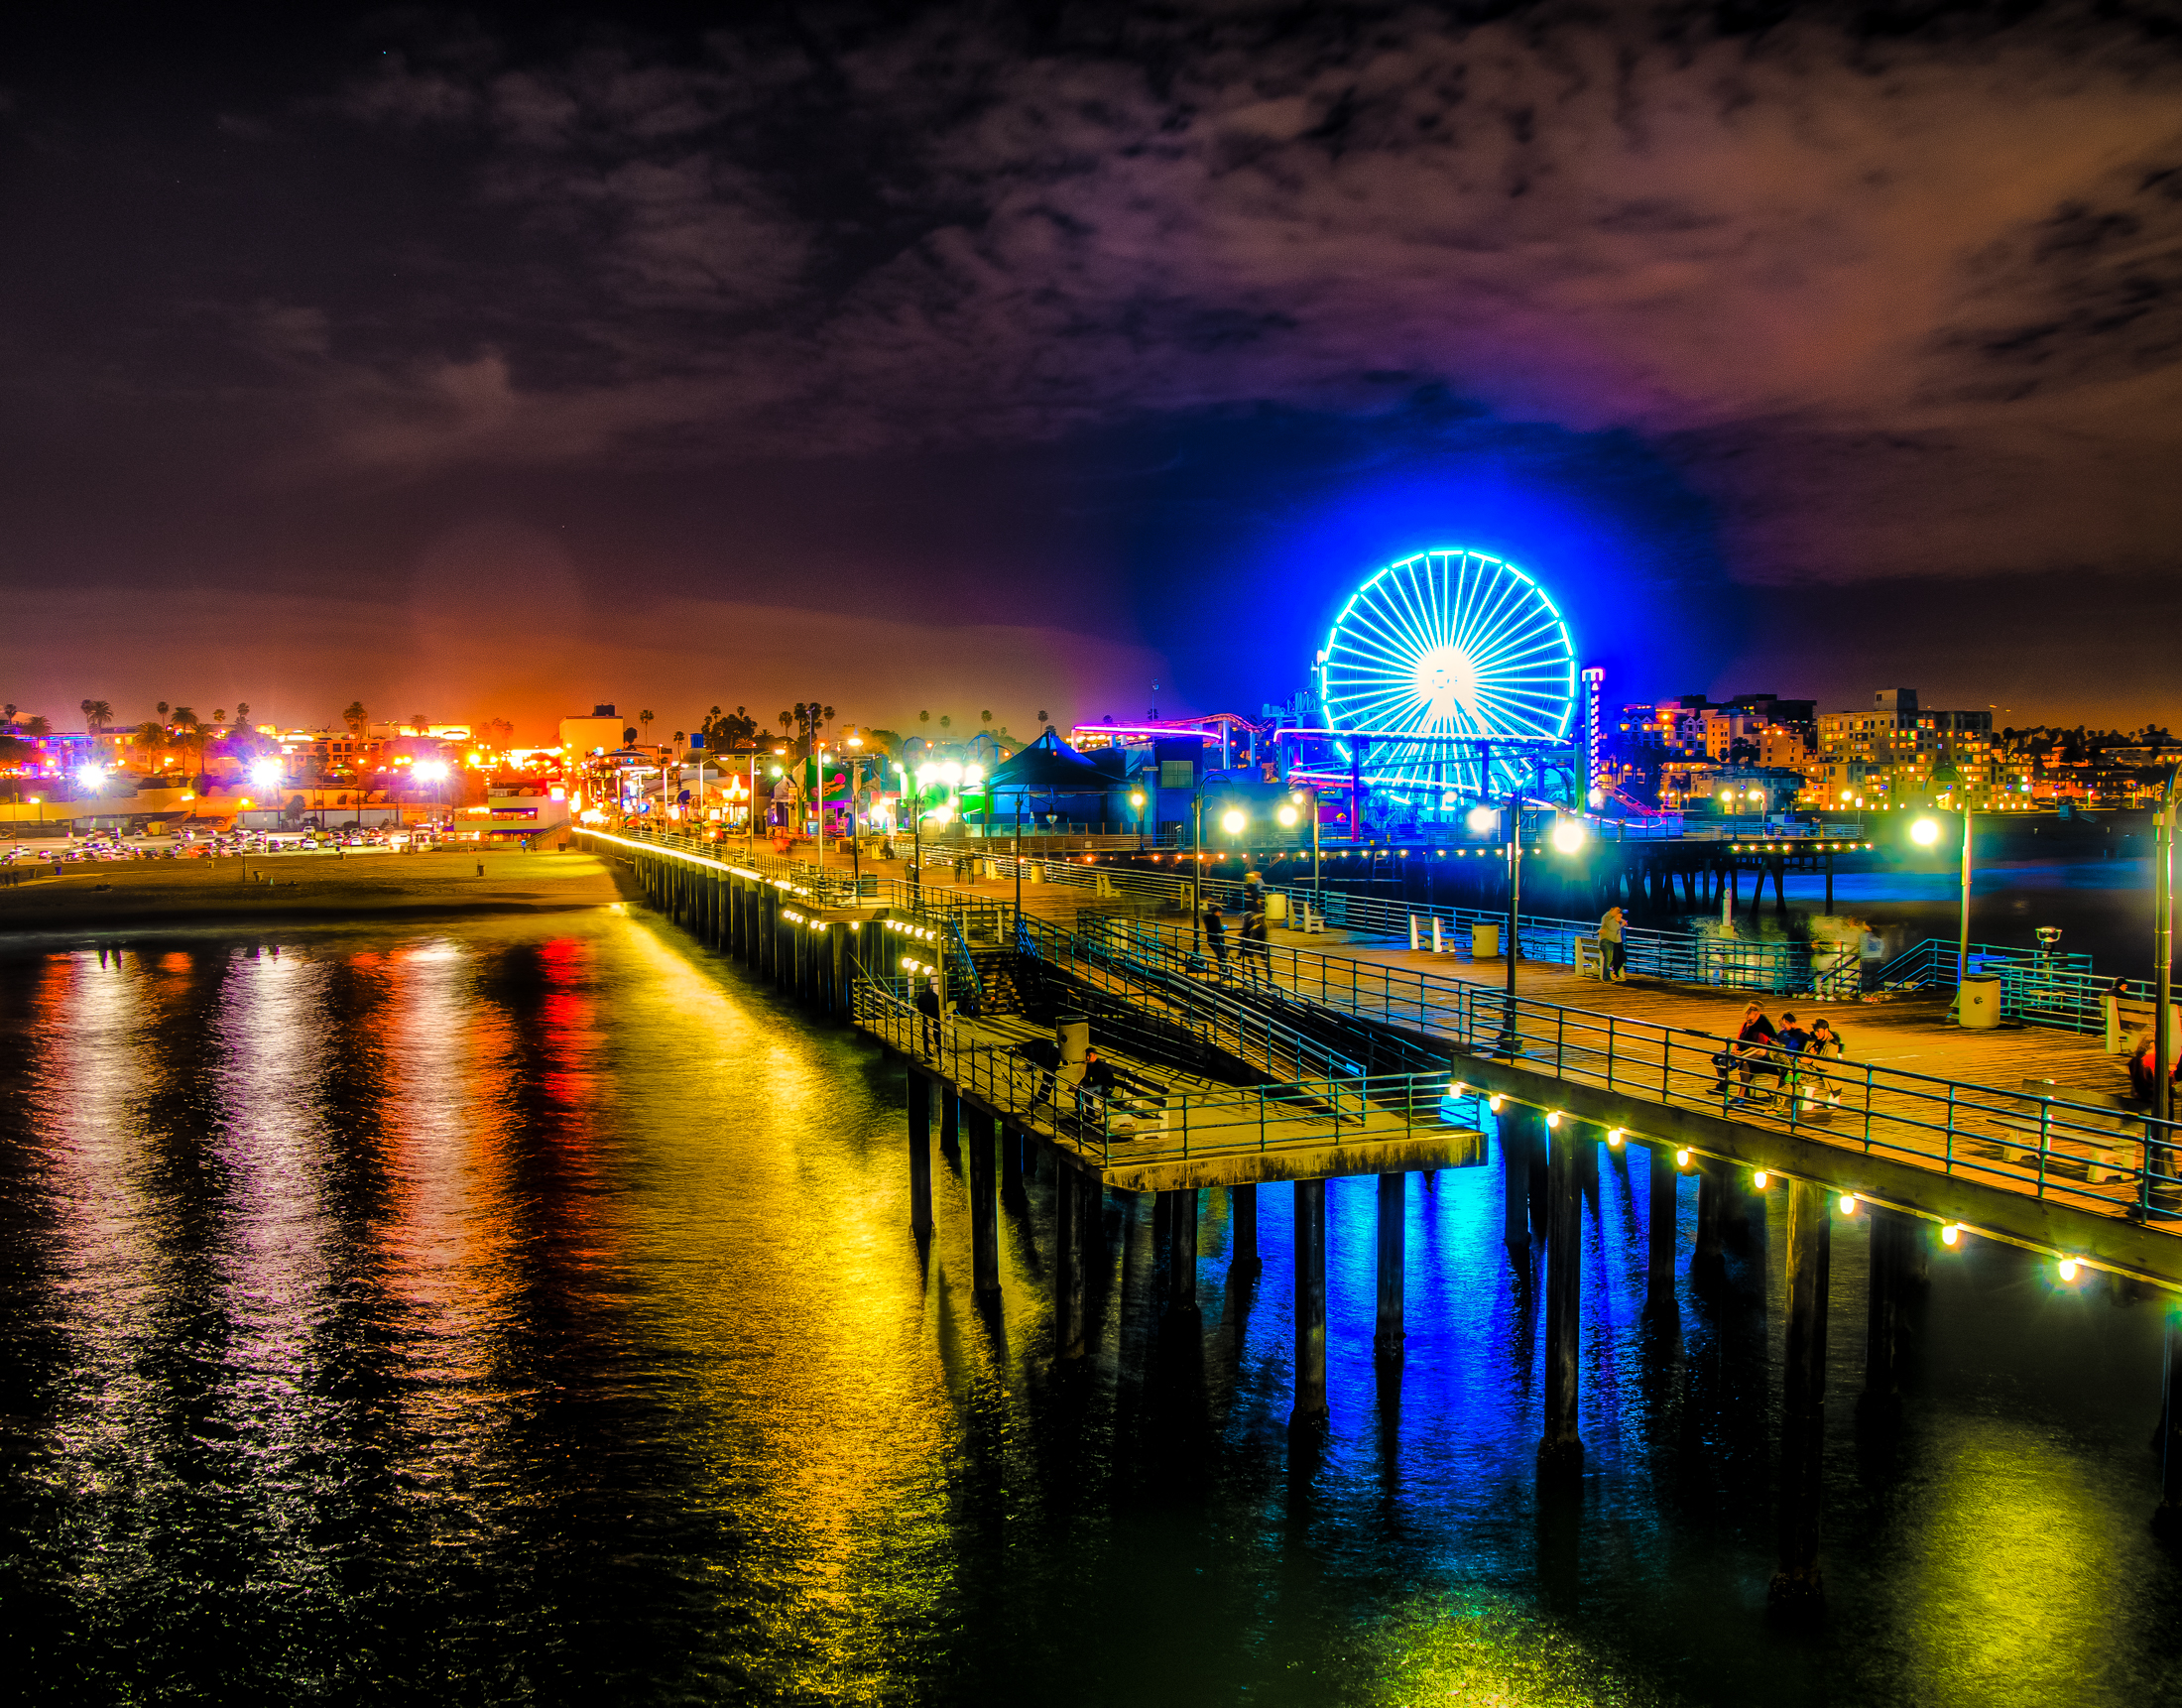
[(1073, 1031), (1484, 942), (1978, 1003)]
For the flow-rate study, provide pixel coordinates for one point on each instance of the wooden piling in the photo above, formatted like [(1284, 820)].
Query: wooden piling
[(1392, 1213), (1069, 1264), (2168, 1519), (1803, 1394), (1562, 1448), (984, 1208), (1662, 1219), (1881, 1397), (1182, 1250), (920, 1155), (1516, 1178), (1011, 1163), (1705, 1257), (1310, 1306), (1243, 1228), (950, 1120)]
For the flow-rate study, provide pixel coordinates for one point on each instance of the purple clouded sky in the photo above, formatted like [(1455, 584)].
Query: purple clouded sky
[(946, 359)]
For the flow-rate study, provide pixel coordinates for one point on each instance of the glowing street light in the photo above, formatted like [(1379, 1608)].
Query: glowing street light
[(1232, 821), (1568, 835)]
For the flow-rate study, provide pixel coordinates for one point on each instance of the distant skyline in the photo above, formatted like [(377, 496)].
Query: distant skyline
[(952, 358)]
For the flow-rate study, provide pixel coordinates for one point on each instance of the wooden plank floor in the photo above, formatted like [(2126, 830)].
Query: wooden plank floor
[(1229, 1131), (1912, 1035)]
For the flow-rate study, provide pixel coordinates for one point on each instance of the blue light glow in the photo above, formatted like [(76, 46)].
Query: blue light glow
[(1449, 642)]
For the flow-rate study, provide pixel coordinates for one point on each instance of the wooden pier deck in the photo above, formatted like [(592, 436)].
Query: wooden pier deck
[(1170, 1130)]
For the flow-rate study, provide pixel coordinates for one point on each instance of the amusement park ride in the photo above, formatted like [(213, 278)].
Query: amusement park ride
[(1448, 681)]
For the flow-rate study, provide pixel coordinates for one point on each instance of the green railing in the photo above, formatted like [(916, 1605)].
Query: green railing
[(1144, 1121), (2093, 1154)]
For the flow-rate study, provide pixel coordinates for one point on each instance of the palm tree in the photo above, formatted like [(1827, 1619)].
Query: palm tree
[(985, 717), (355, 717), (644, 718), (85, 707), (242, 711), (162, 711)]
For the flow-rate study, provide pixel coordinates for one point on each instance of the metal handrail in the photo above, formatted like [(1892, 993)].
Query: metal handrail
[(2126, 1162), (1152, 1123)]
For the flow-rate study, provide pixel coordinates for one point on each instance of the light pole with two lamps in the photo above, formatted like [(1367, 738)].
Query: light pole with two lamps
[(1925, 834)]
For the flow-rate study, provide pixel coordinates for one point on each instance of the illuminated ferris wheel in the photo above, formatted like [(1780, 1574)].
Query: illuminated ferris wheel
[(1450, 642)]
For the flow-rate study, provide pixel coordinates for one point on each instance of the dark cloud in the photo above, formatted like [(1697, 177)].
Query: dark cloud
[(1844, 297)]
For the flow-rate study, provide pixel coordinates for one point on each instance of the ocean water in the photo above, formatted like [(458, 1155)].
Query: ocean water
[(526, 1311)]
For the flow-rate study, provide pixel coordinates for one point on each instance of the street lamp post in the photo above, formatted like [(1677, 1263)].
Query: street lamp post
[(1925, 832), (1197, 869), (2162, 1101)]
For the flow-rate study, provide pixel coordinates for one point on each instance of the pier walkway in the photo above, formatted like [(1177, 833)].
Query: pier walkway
[(1355, 1059)]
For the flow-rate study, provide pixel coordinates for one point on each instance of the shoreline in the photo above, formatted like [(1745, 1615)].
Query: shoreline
[(157, 895)]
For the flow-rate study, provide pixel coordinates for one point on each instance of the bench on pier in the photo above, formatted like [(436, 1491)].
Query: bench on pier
[(2128, 1025)]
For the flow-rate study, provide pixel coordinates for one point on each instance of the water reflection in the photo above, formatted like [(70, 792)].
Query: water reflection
[(527, 1310)]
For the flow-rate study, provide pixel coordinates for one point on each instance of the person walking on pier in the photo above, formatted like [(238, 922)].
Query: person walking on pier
[(1256, 951), (1609, 944), (1216, 936), (928, 1005)]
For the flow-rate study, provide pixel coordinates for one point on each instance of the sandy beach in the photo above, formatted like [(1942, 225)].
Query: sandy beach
[(317, 887)]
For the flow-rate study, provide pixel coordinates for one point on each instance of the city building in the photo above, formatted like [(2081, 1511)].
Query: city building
[(601, 732)]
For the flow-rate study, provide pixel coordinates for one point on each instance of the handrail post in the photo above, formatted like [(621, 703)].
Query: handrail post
[(2045, 1139)]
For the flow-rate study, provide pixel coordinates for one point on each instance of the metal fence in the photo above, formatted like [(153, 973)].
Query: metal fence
[(1145, 1120), (2075, 1149), (2037, 986)]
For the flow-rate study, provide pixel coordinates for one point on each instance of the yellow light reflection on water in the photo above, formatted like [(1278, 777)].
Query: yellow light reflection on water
[(2013, 1584), (1482, 1653)]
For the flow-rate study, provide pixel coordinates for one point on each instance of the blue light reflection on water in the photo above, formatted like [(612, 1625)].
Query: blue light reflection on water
[(526, 1310)]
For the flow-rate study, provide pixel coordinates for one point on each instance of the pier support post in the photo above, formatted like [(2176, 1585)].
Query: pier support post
[(1069, 1263), (1011, 1163), (1182, 1250), (1515, 1137), (1562, 1448), (920, 1155), (950, 1119), (1803, 1394), (984, 1209), (2168, 1519), (1706, 1261), (1310, 1306), (1881, 1399), (1392, 1214), (1243, 1228), (1661, 1218)]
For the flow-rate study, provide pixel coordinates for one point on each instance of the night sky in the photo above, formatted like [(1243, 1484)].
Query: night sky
[(1023, 357)]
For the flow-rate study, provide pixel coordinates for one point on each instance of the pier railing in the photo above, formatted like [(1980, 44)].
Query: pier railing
[(2091, 1153), (1770, 964), (2037, 986), (1143, 1119)]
